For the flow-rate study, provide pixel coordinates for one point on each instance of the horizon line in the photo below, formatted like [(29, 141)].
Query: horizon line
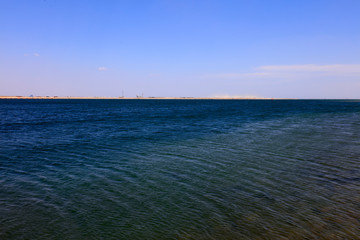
[(168, 98)]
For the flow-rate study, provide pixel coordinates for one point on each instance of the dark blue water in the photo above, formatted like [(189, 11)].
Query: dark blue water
[(179, 169)]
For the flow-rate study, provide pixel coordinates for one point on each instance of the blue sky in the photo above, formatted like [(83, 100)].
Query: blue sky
[(263, 48)]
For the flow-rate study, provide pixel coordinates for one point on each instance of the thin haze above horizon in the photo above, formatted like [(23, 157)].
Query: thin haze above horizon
[(168, 48)]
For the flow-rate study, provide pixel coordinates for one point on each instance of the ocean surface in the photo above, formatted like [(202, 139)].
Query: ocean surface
[(179, 169)]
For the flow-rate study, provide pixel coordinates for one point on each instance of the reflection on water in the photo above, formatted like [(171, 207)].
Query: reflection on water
[(108, 169)]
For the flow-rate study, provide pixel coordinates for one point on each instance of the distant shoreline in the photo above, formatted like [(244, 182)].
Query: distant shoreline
[(141, 98)]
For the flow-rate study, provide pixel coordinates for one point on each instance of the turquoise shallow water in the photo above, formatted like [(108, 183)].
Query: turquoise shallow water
[(179, 169)]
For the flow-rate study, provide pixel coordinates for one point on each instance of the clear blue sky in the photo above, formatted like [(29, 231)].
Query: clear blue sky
[(264, 48)]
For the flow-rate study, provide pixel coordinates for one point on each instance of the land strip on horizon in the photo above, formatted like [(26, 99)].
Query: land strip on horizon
[(70, 97)]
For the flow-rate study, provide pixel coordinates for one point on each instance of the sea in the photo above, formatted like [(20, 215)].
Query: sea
[(179, 169)]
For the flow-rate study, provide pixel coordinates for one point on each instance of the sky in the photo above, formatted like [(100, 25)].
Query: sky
[(180, 48)]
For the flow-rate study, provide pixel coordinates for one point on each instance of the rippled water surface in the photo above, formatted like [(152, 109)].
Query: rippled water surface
[(179, 169)]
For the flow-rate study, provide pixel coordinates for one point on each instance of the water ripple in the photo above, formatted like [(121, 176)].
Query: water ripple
[(179, 169)]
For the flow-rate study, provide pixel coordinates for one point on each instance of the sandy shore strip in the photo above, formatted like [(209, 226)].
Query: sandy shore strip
[(143, 98)]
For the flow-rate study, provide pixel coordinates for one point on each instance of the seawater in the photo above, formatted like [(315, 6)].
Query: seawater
[(179, 169)]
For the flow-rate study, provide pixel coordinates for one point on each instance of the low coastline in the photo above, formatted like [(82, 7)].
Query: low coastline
[(144, 98)]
